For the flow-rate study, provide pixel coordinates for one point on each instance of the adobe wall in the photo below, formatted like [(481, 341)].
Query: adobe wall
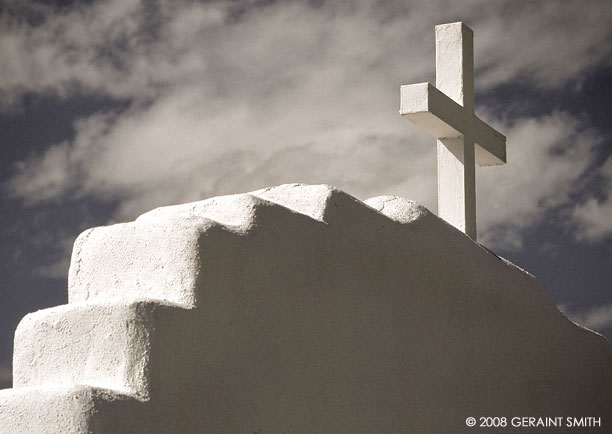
[(297, 309)]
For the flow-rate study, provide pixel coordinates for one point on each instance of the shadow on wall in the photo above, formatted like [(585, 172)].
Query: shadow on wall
[(6, 376)]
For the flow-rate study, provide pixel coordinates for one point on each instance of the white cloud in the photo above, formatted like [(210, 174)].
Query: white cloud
[(288, 93), (542, 43), (133, 48)]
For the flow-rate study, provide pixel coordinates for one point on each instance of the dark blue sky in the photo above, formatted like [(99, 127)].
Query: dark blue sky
[(111, 108)]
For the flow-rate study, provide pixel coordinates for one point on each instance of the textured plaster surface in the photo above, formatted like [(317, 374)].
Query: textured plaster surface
[(297, 309)]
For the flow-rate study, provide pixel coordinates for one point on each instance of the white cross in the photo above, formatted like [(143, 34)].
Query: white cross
[(446, 111)]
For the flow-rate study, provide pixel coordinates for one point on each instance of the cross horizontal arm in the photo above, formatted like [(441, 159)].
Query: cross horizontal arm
[(490, 144), (431, 110), (443, 118)]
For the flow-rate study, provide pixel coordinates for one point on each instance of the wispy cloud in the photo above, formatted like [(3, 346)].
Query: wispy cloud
[(597, 318), (547, 156), (594, 215), (58, 268), (227, 100)]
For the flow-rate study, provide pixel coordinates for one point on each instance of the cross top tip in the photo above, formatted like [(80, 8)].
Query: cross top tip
[(458, 24)]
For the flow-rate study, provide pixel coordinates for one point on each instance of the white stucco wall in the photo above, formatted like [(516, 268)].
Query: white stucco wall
[(297, 309)]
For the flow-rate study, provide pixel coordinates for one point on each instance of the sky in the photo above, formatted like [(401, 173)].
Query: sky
[(111, 108)]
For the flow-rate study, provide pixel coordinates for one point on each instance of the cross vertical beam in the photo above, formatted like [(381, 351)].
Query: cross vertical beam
[(456, 162)]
